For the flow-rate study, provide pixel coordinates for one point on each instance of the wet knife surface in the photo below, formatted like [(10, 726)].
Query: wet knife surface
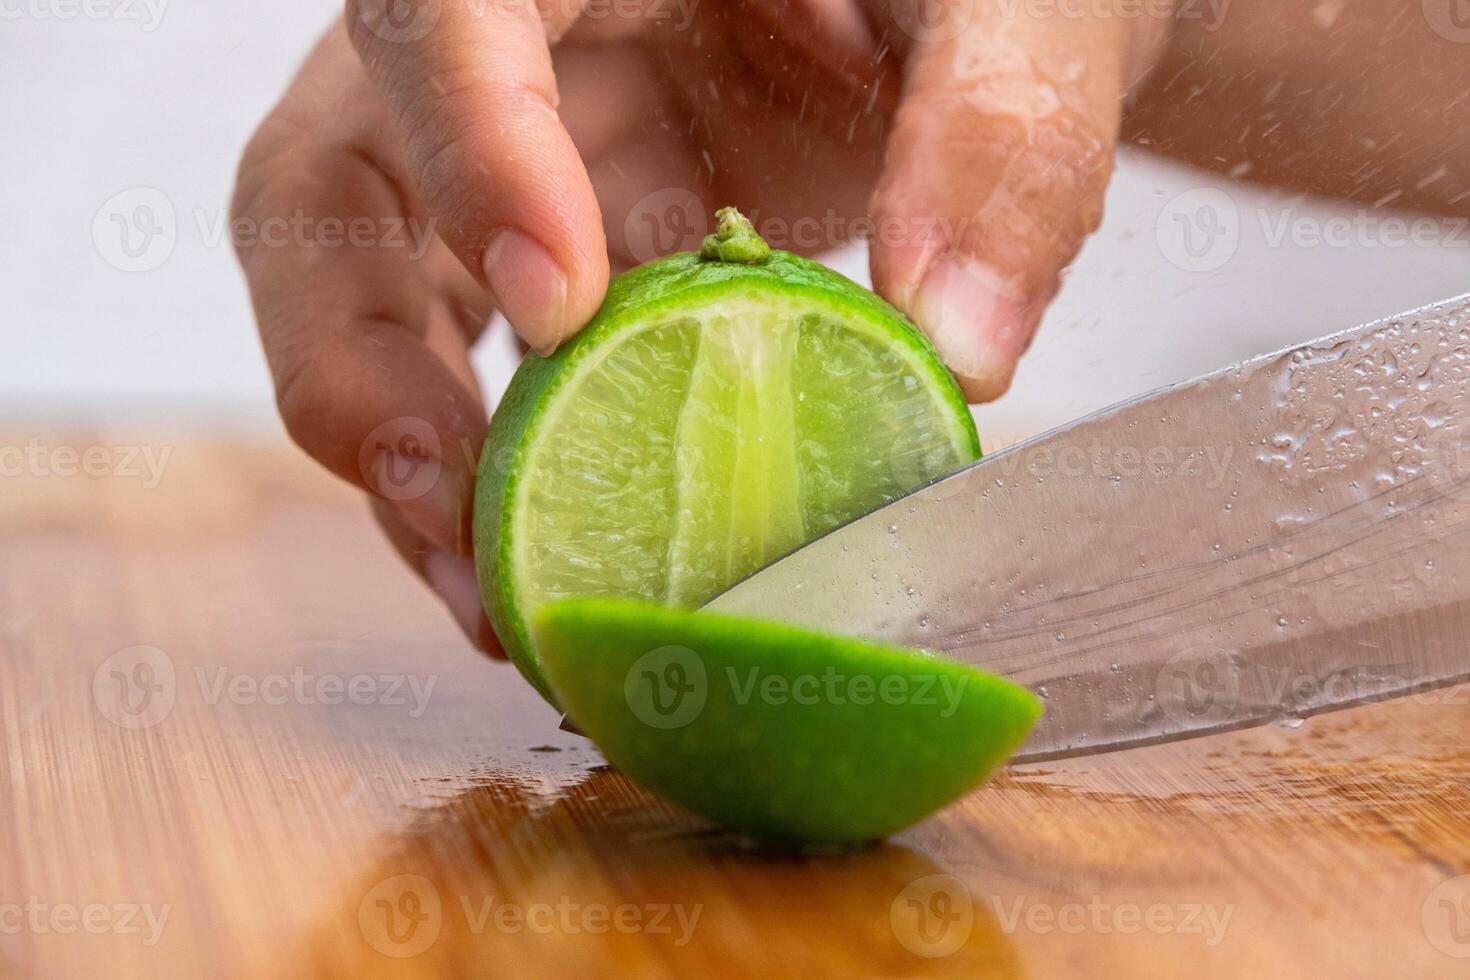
[(1286, 536)]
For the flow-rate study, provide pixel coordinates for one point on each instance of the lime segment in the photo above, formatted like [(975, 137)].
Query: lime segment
[(735, 458), (780, 733)]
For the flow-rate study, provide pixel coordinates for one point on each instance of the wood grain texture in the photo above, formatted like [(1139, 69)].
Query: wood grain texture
[(452, 830)]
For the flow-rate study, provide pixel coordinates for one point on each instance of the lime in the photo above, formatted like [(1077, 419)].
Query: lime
[(777, 732), (720, 409)]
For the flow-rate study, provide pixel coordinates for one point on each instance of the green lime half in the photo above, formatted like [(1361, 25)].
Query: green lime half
[(778, 732), (720, 409)]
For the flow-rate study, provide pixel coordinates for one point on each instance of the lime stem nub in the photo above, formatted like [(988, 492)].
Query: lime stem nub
[(735, 240)]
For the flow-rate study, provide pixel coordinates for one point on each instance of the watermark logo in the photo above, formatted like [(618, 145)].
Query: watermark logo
[(1199, 230), (1450, 19), (300, 687), (1445, 916), (932, 21), (401, 916), (933, 916), (136, 230), (401, 458), (667, 687), (671, 219), (400, 21), (1206, 686), (135, 687), (1200, 685), (299, 229), (138, 687)]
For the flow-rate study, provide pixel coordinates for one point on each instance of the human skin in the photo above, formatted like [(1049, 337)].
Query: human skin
[(524, 145)]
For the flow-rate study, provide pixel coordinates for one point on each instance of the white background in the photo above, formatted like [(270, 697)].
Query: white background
[(95, 106)]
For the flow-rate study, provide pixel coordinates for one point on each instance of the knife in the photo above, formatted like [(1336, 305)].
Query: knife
[(1286, 536)]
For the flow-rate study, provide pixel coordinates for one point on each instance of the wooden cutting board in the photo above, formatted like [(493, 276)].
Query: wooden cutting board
[(239, 740)]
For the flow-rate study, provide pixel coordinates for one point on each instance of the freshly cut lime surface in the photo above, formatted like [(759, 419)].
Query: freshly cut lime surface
[(780, 733), (712, 417)]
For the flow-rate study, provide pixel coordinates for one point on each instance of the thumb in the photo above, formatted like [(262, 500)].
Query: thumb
[(995, 172)]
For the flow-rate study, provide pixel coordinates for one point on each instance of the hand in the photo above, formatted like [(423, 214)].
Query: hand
[(499, 169)]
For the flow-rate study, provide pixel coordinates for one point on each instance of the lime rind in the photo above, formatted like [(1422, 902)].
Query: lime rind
[(661, 292)]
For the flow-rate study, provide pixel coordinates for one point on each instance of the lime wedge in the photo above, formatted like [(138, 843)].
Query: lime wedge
[(721, 409), (777, 732)]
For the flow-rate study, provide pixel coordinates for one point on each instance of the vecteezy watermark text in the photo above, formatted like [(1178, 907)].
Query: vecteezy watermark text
[(410, 21), (146, 13), (43, 460), (1198, 462), (303, 230), (403, 916), (934, 916), (137, 230), (1207, 464), (305, 688), (674, 219), (1200, 230), (137, 687), (1209, 13), (832, 686), (669, 686), (39, 918), (1211, 685), (675, 15), (1101, 916)]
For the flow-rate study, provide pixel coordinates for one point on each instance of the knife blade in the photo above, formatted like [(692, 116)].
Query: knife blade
[(1286, 536)]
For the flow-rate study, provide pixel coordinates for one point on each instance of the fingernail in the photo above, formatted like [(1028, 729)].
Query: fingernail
[(530, 289), (455, 581), (433, 502), (977, 324)]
